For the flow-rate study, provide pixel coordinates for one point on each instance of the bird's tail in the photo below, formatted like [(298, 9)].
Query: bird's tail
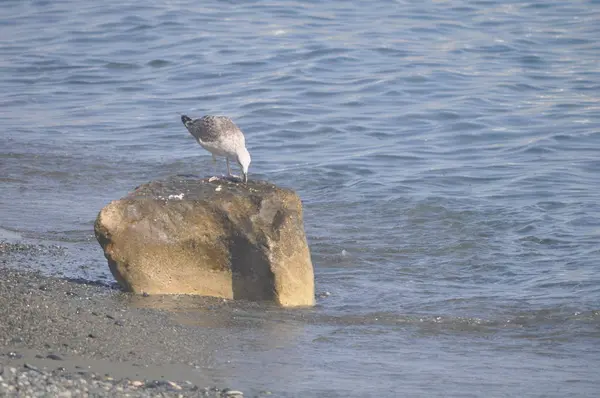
[(185, 120)]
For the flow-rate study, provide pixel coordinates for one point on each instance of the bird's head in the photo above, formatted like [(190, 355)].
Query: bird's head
[(243, 158)]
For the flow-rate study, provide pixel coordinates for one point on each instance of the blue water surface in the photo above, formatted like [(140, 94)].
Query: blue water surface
[(447, 154)]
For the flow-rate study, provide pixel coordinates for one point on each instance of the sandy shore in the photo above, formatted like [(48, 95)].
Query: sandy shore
[(62, 337)]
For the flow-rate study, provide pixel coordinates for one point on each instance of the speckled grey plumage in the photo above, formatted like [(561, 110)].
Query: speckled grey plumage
[(221, 137), (211, 128)]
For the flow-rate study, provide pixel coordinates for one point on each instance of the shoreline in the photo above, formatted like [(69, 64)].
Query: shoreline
[(61, 336)]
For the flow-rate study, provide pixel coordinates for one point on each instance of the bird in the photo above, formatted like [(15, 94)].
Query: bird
[(220, 136)]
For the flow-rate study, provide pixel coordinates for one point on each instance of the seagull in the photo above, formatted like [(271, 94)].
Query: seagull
[(221, 137)]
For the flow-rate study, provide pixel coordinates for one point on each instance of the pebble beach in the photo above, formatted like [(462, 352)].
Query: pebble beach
[(66, 338)]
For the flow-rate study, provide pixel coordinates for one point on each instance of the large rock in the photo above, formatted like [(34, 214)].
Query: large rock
[(219, 238)]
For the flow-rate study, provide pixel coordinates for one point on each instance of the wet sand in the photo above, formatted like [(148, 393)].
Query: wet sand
[(65, 331)]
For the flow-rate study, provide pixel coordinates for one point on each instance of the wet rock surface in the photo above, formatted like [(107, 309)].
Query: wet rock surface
[(219, 238)]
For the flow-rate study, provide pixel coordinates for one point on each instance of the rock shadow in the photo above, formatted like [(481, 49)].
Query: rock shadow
[(252, 278)]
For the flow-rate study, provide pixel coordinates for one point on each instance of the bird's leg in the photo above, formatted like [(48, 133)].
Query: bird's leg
[(215, 163), (228, 169)]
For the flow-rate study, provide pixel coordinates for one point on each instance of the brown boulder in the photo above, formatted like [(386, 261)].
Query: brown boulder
[(220, 238)]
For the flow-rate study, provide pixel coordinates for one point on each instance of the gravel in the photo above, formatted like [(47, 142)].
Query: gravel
[(71, 338), (32, 382)]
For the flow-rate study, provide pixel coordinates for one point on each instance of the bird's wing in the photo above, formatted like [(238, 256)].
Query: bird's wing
[(204, 129)]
